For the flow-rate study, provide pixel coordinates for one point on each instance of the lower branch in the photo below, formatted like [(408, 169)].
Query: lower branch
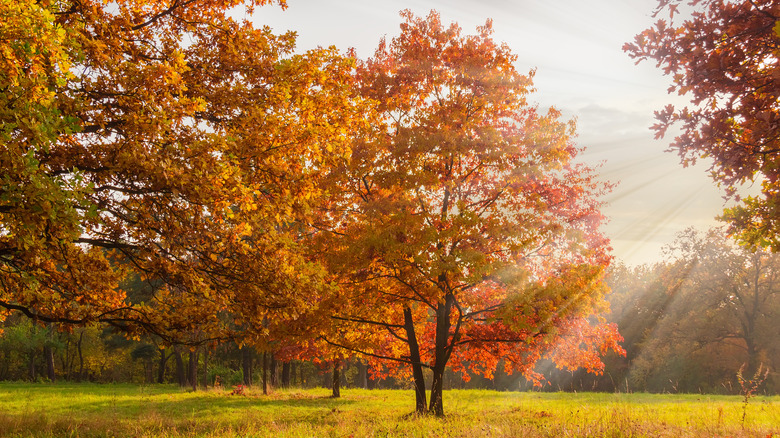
[(378, 356)]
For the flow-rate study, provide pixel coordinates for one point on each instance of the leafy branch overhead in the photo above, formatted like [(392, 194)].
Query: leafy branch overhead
[(724, 57)]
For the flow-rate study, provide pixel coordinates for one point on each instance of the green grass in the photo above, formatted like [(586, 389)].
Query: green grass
[(86, 410)]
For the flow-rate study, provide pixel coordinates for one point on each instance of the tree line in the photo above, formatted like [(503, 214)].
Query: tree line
[(688, 325)]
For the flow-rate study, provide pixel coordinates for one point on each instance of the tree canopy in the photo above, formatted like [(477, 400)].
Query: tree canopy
[(691, 322), (168, 140)]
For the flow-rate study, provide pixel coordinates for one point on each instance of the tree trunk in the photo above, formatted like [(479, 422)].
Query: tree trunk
[(336, 382), (181, 375), (265, 373), (66, 359), (272, 370), (285, 374), (414, 357), (246, 365), (81, 356), (752, 365), (4, 365), (437, 390), (206, 367), (48, 354), (362, 374), (149, 370), (293, 377), (441, 354), (161, 365), (193, 373)]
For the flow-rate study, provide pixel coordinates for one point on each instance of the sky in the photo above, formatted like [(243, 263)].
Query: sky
[(576, 48)]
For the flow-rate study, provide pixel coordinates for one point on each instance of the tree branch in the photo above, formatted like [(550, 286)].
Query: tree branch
[(367, 321), (175, 5), (378, 356)]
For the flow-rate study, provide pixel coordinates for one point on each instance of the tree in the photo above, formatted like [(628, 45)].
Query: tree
[(724, 56), (690, 323), (738, 288), (165, 140), (306, 337), (466, 233)]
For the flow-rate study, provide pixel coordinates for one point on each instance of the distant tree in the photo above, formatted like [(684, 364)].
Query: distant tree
[(466, 233), (732, 295), (717, 310), (146, 353), (725, 57), (638, 301)]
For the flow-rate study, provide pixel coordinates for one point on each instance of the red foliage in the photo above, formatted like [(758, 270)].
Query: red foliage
[(467, 234)]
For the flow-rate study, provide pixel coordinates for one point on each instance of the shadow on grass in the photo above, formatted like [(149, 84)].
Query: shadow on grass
[(165, 410), (126, 410), (129, 401)]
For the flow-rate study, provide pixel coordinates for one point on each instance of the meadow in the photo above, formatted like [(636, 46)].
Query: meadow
[(91, 410)]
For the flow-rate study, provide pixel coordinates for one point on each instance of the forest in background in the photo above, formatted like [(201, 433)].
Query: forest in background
[(688, 324)]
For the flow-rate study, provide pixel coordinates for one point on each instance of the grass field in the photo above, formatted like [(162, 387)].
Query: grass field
[(86, 410)]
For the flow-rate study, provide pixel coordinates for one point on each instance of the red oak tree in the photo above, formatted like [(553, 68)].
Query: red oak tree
[(466, 233)]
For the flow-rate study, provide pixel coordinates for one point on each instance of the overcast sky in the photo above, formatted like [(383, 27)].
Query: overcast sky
[(575, 45)]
